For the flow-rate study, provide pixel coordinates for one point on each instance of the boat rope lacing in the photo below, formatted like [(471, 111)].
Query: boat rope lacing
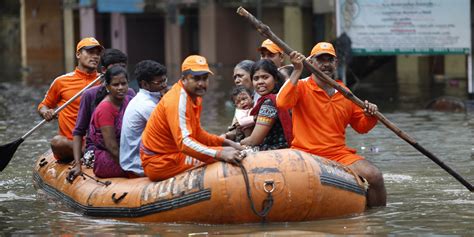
[(106, 183), (268, 187)]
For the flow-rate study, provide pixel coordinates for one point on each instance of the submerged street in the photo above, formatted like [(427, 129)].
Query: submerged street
[(422, 198)]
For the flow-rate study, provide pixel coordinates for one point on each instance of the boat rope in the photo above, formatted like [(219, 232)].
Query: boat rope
[(267, 203), (106, 183)]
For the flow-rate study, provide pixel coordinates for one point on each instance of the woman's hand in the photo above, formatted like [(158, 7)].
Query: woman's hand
[(232, 144), (74, 172)]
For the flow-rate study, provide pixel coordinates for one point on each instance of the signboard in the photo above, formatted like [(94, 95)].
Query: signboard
[(121, 6), (388, 27)]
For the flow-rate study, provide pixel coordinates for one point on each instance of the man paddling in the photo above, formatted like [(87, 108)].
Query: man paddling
[(65, 87), (173, 140), (321, 115)]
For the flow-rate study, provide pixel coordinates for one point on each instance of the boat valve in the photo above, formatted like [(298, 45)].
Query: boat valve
[(269, 186)]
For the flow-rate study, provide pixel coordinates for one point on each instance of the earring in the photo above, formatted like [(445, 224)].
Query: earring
[(107, 90)]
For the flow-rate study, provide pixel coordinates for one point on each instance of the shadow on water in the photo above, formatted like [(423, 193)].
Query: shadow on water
[(422, 198)]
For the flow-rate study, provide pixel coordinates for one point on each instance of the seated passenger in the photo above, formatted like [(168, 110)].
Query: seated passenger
[(273, 129), (243, 122), (151, 78), (84, 154), (173, 140), (106, 124)]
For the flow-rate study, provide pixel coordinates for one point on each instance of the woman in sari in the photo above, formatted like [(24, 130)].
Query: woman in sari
[(106, 123), (273, 128)]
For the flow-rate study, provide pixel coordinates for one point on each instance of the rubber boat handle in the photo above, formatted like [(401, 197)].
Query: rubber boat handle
[(117, 200)]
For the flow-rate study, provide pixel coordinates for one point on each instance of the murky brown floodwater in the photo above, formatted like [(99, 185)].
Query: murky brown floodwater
[(422, 198)]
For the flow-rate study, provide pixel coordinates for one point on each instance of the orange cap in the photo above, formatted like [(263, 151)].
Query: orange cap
[(270, 46), (322, 48), (88, 43), (195, 65)]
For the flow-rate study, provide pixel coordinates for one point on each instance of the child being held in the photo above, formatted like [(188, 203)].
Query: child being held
[(243, 122)]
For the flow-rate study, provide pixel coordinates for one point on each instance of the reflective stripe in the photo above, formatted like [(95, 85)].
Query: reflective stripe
[(57, 79), (187, 141)]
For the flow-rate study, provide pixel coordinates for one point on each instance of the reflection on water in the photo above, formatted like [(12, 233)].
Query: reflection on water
[(422, 198)]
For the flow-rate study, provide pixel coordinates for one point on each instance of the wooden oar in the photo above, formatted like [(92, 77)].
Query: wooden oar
[(266, 32), (8, 150)]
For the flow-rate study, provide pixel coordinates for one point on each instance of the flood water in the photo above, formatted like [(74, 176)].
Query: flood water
[(423, 199)]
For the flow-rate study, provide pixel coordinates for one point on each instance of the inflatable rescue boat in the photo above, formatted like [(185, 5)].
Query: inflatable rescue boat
[(278, 186)]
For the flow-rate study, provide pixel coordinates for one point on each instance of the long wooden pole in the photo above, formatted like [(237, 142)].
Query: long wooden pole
[(267, 33)]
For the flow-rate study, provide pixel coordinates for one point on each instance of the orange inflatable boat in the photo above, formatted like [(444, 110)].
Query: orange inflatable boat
[(281, 186)]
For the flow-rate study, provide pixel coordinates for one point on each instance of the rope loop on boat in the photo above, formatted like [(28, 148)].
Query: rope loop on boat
[(267, 203)]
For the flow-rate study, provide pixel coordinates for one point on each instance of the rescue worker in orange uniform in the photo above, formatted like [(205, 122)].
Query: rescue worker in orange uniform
[(173, 140), (62, 89), (321, 115)]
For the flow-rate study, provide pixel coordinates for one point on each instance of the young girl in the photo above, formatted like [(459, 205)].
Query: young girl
[(273, 128), (243, 122), (106, 123)]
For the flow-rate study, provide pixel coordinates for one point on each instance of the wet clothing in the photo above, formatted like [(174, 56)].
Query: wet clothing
[(280, 135), (61, 90), (84, 115), (134, 121), (320, 121), (106, 114), (173, 140)]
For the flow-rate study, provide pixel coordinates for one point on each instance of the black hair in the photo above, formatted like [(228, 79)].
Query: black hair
[(246, 65), (111, 72), (237, 90), (268, 66), (147, 69), (112, 56)]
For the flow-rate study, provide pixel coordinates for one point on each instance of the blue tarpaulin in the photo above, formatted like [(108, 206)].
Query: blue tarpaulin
[(121, 6)]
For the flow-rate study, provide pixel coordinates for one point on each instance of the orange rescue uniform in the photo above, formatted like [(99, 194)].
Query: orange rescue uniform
[(61, 90), (173, 140), (320, 121)]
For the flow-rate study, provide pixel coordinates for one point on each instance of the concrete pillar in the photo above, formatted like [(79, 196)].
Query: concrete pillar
[(456, 75), (87, 22), (173, 46), (118, 31), (293, 27), (41, 41), (208, 33), (69, 43), (413, 78)]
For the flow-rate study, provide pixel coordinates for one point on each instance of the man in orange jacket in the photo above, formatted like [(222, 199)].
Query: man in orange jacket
[(64, 88), (173, 140), (321, 115)]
